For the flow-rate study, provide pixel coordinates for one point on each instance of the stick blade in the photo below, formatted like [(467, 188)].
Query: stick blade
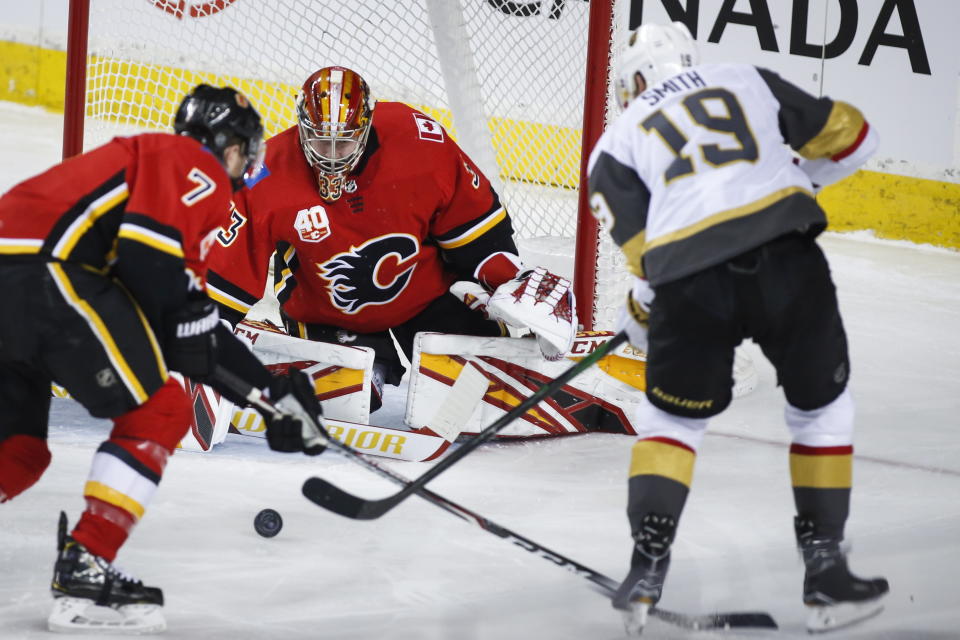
[(732, 620), (333, 498)]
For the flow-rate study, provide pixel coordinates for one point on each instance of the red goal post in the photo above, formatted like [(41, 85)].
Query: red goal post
[(522, 85)]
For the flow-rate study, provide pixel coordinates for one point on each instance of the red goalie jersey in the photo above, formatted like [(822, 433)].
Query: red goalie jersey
[(416, 215)]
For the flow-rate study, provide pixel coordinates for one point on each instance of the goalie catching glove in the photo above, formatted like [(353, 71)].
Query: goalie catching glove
[(635, 315), (297, 425), (535, 299)]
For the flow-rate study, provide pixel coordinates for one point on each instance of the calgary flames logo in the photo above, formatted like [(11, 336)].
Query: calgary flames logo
[(363, 276)]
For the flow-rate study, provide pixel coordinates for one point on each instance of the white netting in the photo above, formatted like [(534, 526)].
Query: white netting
[(437, 55)]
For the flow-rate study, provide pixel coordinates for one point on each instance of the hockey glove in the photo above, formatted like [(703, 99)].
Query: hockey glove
[(544, 303), (635, 315), (299, 426), (190, 345), (473, 295)]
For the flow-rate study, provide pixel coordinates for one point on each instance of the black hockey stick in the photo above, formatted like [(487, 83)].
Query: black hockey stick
[(314, 490), (600, 582), (335, 499)]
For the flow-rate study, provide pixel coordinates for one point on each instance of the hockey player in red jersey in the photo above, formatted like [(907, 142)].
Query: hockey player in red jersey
[(718, 224), (104, 267), (373, 214)]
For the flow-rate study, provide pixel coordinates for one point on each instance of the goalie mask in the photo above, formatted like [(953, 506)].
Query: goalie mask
[(218, 117), (655, 52), (334, 114)]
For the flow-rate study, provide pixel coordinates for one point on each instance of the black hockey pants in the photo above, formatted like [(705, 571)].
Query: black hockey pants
[(781, 295)]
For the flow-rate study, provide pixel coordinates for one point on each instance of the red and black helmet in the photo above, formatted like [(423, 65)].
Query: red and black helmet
[(334, 113)]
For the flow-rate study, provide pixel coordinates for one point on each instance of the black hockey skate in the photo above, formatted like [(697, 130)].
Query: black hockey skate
[(91, 594), (641, 589), (836, 598)]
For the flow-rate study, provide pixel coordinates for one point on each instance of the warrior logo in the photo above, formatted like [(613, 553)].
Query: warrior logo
[(365, 275)]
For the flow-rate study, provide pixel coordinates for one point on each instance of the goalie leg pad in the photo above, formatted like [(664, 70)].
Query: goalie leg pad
[(602, 398), (342, 377), (342, 374), (381, 342)]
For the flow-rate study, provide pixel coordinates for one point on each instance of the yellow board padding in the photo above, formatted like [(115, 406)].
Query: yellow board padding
[(32, 75), (657, 458), (895, 207), (821, 471), (537, 153), (139, 92), (150, 93)]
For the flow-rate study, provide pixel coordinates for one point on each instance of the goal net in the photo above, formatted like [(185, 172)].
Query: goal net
[(506, 78)]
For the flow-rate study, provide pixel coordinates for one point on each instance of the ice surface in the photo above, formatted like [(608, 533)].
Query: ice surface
[(421, 574)]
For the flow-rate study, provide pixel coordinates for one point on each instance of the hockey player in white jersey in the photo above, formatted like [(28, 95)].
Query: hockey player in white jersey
[(706, 181)]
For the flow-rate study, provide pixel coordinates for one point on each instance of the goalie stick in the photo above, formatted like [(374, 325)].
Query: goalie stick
[(314, 490), (346, 504)]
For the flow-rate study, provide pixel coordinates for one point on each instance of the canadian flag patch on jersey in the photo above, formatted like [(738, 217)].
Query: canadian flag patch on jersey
[(428, 128)]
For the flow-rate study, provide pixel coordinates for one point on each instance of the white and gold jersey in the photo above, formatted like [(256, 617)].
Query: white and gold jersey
[(699, 167)]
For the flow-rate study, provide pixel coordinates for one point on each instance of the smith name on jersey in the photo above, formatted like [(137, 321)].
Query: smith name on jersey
[(698, 169), (415, 216)]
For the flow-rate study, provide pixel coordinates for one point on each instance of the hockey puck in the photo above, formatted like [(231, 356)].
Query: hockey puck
[(268, 523)]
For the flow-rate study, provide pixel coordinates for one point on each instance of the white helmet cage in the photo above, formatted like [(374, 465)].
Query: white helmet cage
[(656, 52)]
